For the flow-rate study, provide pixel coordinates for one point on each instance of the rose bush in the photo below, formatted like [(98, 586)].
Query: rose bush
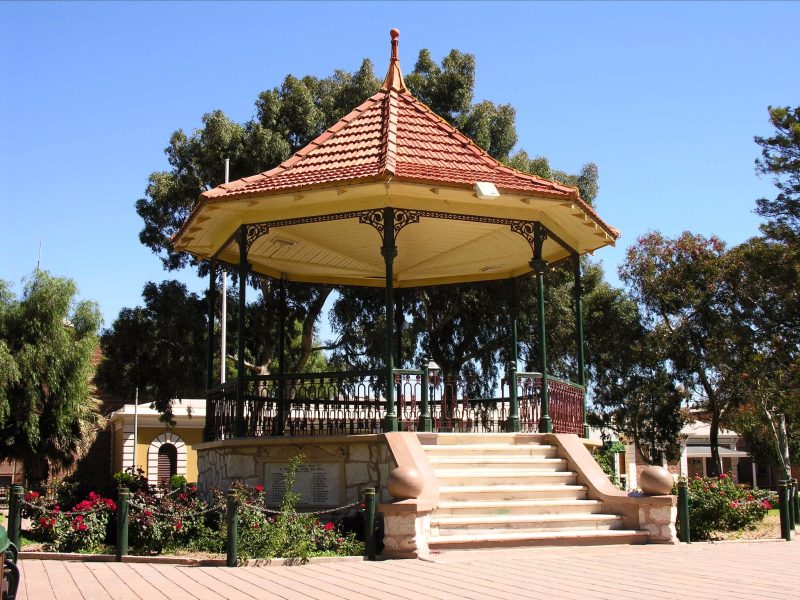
[(81, 529), (719, 504)]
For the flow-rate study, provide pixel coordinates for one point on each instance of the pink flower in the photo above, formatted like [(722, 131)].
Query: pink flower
[(328, 526), (178, 526), (766, 504), (722, 475), (734, 504), (148, 513), (256, 525), (259, 488), (56, 509), (79, 518)]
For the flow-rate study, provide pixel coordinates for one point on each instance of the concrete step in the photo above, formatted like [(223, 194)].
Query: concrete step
[(490, 525), (491, 476), (502, 493), (543, 538), (500, 462), (477, 439), (539, 450), (449, 508)]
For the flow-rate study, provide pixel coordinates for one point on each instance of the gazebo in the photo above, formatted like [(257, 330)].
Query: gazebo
[(391, 196)]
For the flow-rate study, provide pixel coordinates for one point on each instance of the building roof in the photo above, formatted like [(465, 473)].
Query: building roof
[(188, 408), (392, 150)]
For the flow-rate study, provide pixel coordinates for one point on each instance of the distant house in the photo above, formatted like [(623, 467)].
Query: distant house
[(160, 450), (695, 458)]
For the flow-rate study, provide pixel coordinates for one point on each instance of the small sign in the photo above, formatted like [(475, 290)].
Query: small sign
[(319, 484)]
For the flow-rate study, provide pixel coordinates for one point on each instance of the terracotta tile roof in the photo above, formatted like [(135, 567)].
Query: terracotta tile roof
[(393, 135)]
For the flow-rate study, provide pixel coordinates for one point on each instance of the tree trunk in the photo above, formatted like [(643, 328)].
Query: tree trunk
[(307, 339), (716, 461)]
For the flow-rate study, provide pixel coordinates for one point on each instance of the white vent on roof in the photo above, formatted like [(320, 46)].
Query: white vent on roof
[(486, 190)]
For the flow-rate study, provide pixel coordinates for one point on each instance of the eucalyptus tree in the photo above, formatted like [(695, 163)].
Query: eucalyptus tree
[(47, 339)]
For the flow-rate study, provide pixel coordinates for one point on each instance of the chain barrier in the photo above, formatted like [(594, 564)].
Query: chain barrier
[(157, 513), (269, 511), (143, 507), (68, 513)]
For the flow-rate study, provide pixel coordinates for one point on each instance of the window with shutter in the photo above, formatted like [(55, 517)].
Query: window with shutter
[(167, 463)]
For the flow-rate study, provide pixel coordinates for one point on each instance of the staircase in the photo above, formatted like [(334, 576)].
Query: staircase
[(495, 492)]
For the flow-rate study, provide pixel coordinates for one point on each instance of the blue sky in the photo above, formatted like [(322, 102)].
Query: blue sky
[(664, 97)]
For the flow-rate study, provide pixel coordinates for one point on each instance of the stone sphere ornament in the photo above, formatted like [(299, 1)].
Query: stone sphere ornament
[(656, 481), (404, 483)]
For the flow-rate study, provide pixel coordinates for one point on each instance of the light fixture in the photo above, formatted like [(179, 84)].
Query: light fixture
[(485, 190), (432, 366), (283, 243)]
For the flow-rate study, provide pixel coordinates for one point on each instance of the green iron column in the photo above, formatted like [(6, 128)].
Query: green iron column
[(212, 293), (578, 290), (281, 412), (513, 416), (240, 380), (539, 266), (389, 251)]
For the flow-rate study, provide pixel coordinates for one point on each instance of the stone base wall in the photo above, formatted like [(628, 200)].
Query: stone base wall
[(660, 522), (406, 534), (361, 462)]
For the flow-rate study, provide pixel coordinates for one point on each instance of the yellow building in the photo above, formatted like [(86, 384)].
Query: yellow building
[(160, 450)]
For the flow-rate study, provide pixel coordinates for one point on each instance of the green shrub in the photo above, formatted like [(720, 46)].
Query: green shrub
[(719, 504), (286, 533), (132, 478)]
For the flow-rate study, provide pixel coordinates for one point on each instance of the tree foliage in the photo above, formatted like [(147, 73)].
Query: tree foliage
[(159, 348), (47, 338), (780, 158)]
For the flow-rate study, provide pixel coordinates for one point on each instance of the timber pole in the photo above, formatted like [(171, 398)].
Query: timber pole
[(539, 266), (240, 379), (389, 251), (579, 343)]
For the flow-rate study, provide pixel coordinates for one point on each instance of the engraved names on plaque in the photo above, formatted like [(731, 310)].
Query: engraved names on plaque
[(319, 484)]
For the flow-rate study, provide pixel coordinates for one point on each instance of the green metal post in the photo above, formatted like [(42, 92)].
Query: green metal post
[(783, 499), (240, 332), (425, 421), (683, 511), (796, 503), (183, 488), (513, 424), (122, 523), (539, 266), (231, 545), (15, 514), (389, 251), (579, 343), (279, 422), (792, 512), (369, 523), (212, 293)]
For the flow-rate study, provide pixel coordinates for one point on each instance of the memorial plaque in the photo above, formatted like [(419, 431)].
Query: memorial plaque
[(319, 484)]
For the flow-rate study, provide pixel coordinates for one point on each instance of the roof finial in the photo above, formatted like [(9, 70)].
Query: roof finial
[(395, 33), (394, 77)]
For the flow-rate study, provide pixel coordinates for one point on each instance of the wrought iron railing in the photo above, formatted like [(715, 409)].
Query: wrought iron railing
[(566, 401), (345, 403)]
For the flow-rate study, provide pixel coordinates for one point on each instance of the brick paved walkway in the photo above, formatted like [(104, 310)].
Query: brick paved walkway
[(725, 570)]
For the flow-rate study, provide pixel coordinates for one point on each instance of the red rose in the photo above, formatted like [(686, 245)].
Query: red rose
[(178, 526), (766, 504), (328, 526), (259, 488)]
